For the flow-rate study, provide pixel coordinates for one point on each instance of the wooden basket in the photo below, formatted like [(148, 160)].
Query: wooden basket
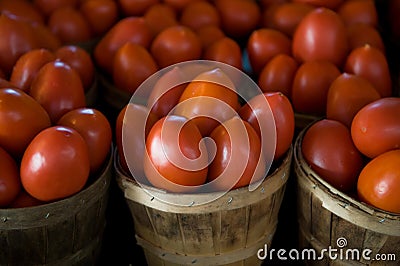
[(65, 232), (327, 216), (229, 230)]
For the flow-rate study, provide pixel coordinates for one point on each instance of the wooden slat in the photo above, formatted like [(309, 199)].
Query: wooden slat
[(321, 222), (142, 222), (233, 230), (28, 246), (59, 245)]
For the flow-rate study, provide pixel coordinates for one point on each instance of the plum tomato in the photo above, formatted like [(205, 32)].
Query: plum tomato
[(24, 10), (361, 34), (160, 16), (359, 11), (49, 6), (101, 15), (10, 184), (225, 50), (135, 7), (331, 4), (199, 14), (209, 34), (24, 200)]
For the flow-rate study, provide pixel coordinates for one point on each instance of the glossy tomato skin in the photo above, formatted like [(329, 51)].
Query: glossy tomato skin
[(21, 118), (186, 163), (22, 9), (379, 182), (10, 184), (100, 14), (376, 127), (321, 35), (95, 129), (58, 88), (225, 50), (56, 164), (329, 150)]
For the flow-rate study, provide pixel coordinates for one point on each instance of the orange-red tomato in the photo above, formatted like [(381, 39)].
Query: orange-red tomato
[(24, 200), (209, 34), (359, 11), (263, 44), (21, 118), (132, 65), (58, 88), (225, 50), (179, 5), (332, 4), (310, 86), (100, 14), (56, 164), (376, 127), (199, 14), (95, 129), (321, 35), (329, 150), (371, 64), (379, 182), (45, 37), (174, 45), (175, 156), (361, 34), (49, 6), (22, 9), (27, 67), (278, 74), (159, 17), (238, 159), (10, 184), (347, 94), (136, 7)]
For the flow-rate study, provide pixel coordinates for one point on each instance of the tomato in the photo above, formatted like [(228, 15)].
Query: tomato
[(379, 182), (371, 63), (179, 5), (58, 88), (176, 159), (80, 60), (49, 6), (311, 85), (174, 45), (159, 17), (199, 14), (165, 94), (238, 159), (129, 29), (376, 127), (278, 74), (332, 4), (225, 50), (95, 129), (132, 65), (10, 184), (56, 164), (209, 34), (209, 99), (136, 7), (22, 9), (101, 15), (347, 94), (361, 34), (328, 148), (321, 35), (45, 37), (21, 118), (69, 25), (359, 11), (285, 17), (238, 17), (24, 200), (263, 44), (27, 67)]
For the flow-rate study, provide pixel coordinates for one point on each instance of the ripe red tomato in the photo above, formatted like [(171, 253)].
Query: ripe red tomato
[(311, 85), (136, 7), (176, 159), (332, 4), (10, 184), (179, 5), (329, 150), (359, 11), (49, 6), (45, 37), (174, 45), (209, 34), (24, 10), (238, 159), (321, 35), (379, 182), (24, 200), (101, 15), (225, 50), (347, 94), (95, 129), (199, 14), (159, 17), (361, 34), (58, 88), (376, 127), (56, 164), (27, 67), (21, 118)]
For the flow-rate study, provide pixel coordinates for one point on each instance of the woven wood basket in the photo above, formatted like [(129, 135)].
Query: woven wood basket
[(330, 218), (65, 232), (229, 230)]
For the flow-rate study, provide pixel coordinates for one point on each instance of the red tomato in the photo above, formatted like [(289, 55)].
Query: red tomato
[(159, 17), (95, 130), (263, 44), (24, 200), (45, 37), (49, 6), (10, 184), (136, 7), (238, 159), (132, 65), (179, 5), (176, 160), (321, 35), (100, 14), (371, 64), (376, 127), (27, 67), (209, 34), (379, 182), (56, 164), (332, 4), (358, 11), (58, 88), (278, 74), (22, 9), (21, 118), (199, 14), (174, 45), (310, 86), (361, 34), (225, 50), (329, 150), (347, 94)]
